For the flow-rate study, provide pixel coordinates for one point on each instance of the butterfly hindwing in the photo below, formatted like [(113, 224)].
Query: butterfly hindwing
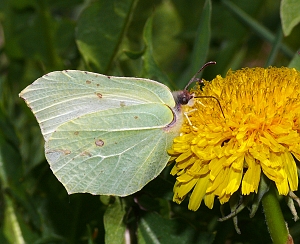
[(113, 152)]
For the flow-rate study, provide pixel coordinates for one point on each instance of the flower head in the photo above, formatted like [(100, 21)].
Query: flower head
[(216, 156)]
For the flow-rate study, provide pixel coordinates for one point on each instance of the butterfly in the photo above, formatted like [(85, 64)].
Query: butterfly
[(105, 135)]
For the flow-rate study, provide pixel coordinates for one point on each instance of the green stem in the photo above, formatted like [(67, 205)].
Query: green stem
[(275, 48), (123, 35), (274, 218), (259, 29)]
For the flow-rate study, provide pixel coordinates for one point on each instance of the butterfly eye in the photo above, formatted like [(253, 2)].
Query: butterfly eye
[(184, 100), (182, 97)]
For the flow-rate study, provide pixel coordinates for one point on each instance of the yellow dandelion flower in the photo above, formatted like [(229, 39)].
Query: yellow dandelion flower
[(217, 156)]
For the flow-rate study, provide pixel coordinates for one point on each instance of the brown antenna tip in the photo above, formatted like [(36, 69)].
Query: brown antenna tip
[(202, 68)]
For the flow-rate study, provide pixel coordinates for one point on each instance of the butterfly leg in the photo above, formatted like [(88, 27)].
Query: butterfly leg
[(186, 114)]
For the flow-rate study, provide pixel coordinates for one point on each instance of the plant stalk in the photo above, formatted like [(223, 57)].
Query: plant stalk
[(274, 218)]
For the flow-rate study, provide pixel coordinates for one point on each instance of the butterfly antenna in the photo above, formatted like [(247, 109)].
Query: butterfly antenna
[(216, 100), (194, 77)]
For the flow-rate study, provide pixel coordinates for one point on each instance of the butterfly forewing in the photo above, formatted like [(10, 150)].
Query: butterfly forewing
[(62, 96)]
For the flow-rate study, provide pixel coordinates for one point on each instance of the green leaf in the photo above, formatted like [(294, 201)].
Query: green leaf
[(289, 13), (295, 63), (150, 67), (166, 41), (200, 45), (6, 129), (113, 223), (202, 40), (152, 228), (15, 228), (100, 31), (12, 227), (160, 188), (133, 54), (254, 25), (28, 26)]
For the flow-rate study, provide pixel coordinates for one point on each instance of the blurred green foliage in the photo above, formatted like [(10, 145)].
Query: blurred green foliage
[(167, 41)]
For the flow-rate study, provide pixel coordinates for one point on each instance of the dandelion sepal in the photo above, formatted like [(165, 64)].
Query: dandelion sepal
[(237, 204), (292, 208), (262, 190)]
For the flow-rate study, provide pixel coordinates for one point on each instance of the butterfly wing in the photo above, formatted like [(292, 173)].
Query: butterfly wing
[(62, 96), (111, 152), (104, 135)]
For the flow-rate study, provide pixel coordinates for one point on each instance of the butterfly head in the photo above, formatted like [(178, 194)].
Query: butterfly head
[(182, 97)]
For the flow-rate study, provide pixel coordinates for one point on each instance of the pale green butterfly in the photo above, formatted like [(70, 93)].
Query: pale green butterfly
[(105, 135)]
